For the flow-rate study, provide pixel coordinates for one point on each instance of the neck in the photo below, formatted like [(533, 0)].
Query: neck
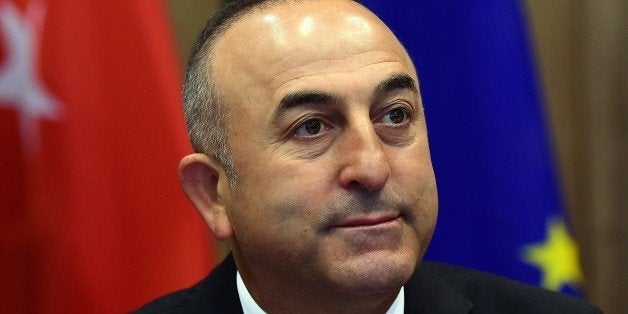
[(292, 295), (287, 300)]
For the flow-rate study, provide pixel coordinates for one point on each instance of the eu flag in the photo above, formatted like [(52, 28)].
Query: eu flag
[(500, 206)]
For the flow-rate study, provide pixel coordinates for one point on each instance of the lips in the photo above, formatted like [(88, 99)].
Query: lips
[(366, 221)]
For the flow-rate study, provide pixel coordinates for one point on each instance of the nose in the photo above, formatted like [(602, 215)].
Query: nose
[(364, 163)]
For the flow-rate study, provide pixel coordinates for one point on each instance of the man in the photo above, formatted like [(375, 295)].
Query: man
[(313, 160)]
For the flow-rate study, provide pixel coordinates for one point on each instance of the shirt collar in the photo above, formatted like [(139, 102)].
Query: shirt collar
[(249, 306)]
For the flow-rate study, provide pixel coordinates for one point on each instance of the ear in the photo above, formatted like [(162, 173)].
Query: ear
[(201, 178)]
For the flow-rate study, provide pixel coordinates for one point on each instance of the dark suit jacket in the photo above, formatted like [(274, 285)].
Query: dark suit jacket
[(434, 288)]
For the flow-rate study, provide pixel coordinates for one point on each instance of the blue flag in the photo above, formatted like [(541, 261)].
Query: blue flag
[(500, 206)]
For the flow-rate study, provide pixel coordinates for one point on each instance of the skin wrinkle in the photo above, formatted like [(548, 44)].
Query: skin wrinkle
[(288, 56), (348, 70), (365, 54)]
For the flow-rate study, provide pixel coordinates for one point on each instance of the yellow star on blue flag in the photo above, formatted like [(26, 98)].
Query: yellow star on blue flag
[(556, 257)]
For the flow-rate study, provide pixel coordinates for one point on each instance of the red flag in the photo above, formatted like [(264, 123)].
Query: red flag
[(92, 218)]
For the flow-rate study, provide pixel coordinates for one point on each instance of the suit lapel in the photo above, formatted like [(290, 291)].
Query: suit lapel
[(218, 292), (426, 292)]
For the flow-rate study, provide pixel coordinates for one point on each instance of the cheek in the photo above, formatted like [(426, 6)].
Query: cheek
[(412, 169), (278, 190), (275, 230), (276, 207), (414, 177)]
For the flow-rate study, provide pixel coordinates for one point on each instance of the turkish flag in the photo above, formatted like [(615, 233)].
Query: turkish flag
[(92, 218)]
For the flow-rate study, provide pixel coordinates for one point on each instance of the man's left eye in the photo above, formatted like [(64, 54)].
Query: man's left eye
[(313, 127), (395, 116)]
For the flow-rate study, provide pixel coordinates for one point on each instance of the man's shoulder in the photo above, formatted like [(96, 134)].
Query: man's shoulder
[(491, 293), (217, 293), (174, 302)]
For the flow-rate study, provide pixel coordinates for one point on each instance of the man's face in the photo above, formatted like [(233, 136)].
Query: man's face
[(336, 188)]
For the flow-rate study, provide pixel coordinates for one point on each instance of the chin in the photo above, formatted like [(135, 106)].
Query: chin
[(379, 273)]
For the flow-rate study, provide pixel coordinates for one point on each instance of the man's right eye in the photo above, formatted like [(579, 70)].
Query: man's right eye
[(311, 128)]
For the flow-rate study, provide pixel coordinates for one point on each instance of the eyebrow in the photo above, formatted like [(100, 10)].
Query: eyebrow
[(394, 82), (301, 98)]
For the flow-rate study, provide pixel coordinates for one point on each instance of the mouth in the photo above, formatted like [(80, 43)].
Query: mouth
[(366, 221)]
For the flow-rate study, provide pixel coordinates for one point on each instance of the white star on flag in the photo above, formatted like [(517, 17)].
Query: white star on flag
[(20, 84)]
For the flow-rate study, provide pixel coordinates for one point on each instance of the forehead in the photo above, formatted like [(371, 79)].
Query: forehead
[(275, 48)]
